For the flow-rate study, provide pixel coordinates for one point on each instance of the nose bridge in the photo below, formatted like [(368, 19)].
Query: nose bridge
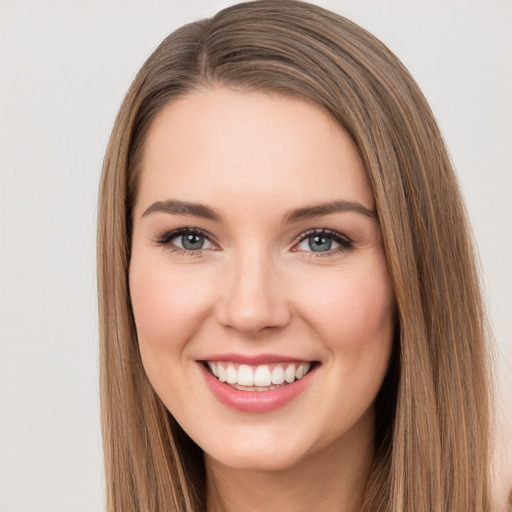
[(254, 298)]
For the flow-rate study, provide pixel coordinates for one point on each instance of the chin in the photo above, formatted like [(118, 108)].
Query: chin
[(259, 461), (265, 450)]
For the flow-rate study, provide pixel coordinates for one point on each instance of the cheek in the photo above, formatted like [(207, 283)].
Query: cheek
[(168, 305), (351, 310)]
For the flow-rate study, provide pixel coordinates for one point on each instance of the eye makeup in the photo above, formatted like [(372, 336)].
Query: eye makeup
[(193, 241), (322, 242)]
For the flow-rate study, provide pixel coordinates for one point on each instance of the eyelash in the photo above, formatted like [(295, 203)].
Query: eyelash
[(345, 243), (165, 240)]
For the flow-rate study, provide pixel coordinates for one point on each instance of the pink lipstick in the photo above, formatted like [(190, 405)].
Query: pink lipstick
[(256, 384)]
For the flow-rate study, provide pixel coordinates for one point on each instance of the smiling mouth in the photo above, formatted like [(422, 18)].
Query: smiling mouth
[(263, 377)]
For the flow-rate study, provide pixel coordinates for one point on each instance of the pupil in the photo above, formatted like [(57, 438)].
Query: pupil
[(319, 243), (192, 242)]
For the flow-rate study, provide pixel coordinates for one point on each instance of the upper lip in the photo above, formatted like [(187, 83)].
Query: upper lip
[(256, 359)]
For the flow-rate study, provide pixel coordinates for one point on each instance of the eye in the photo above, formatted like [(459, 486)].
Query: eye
[(323, 241), (186, 240), (191, 242)]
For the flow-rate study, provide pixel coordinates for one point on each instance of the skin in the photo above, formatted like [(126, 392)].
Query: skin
[(256, 288)]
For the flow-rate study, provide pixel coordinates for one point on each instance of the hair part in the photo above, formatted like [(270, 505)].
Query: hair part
[(432, 430)]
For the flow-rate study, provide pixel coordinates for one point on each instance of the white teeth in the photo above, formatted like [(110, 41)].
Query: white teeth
[(278, 375), (231, 375), (289, 374), (302, 370), (245, 375), (259, 376), (213, 368), (222, 373), (262, 376)]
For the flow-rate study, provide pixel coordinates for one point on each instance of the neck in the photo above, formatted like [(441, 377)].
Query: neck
[(331, 479)]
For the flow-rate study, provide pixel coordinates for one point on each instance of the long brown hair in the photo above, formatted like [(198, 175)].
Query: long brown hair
[(432, 413)]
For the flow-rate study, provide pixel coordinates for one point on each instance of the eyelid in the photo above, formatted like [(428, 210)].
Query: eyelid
[(345, 242), (165, 238)]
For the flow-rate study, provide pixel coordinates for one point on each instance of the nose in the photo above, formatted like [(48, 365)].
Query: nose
[(253, 300)]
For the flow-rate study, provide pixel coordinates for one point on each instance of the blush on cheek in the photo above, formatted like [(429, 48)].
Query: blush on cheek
[(167, 307), (352, 312)]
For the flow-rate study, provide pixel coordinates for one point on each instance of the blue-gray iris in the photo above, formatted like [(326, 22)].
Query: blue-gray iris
[(319, 243)]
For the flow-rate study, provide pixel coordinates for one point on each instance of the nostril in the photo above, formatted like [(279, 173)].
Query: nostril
[(253, 316), (252, 299)]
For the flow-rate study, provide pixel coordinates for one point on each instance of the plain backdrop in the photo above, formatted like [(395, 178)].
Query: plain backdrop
[(64, 69)]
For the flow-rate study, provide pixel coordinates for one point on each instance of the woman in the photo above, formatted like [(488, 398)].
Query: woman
[(289, 305)]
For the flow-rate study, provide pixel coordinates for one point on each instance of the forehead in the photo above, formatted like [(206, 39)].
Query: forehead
[(219, 143)]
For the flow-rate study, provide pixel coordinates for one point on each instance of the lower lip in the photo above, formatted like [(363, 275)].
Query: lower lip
[(255, 401)]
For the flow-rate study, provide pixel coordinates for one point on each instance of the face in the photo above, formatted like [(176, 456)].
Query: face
[(261, 298)]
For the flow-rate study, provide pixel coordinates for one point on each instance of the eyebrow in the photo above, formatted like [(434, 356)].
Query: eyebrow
[(184, 208), (318, 210), (174, 206)]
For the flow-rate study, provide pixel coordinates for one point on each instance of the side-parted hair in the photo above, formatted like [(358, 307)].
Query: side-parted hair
[(433, 411)]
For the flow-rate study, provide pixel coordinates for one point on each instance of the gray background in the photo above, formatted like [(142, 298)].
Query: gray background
[(64, 68)]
